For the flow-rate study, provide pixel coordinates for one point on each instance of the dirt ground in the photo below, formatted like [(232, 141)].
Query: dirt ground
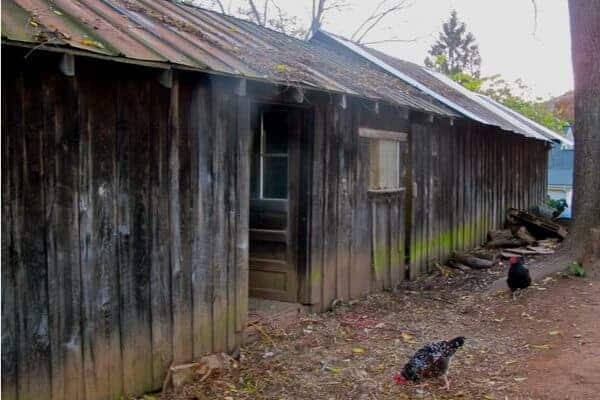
[(544, 345)]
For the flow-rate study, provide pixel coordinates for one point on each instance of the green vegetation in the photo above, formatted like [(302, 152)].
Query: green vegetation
[(456, 55), (455, 50), (576, 269)]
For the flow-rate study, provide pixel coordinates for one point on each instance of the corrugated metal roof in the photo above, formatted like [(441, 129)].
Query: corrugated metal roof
[(450, 93), (173, 34)]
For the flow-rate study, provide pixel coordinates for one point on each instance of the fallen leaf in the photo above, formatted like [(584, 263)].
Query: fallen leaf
[(334, 370), (408, 338), (554, 333), (358, 350), (498, 319), (281, 68), (57, 12), (33, 23), (510, 362), (519, 379), (541, 346)]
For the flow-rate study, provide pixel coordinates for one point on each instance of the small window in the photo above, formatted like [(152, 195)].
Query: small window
[(385, 164), (385, 158), (273, 155)]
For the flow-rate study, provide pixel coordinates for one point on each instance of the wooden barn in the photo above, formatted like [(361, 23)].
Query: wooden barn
[(163, 164)]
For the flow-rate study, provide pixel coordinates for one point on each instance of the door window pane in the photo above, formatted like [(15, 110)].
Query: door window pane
[(275, 172), (274, 155), (275, 132)]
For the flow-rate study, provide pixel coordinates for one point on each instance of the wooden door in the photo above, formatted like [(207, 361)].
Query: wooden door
[(274, 202)]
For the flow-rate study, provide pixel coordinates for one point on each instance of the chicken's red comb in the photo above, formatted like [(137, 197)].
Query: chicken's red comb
[(514, 260), (399, 379)]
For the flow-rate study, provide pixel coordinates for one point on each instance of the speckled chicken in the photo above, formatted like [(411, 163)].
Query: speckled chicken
[(431, 361)]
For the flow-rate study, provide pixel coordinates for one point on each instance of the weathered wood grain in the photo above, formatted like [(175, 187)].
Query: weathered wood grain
[(134, 234), (160, 269)]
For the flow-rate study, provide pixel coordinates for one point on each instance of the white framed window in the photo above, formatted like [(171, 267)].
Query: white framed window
[(273, 183), (384, 158)]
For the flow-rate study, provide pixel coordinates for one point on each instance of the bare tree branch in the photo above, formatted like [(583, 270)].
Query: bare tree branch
[(265, 10), (220, 4), (254, 12), (535, 16), (380, 12), (396, 40)]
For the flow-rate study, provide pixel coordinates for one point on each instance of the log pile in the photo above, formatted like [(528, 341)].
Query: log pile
[(526, 234)]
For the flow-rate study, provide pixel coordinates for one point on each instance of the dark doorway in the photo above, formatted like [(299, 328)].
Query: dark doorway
[(274, 194)]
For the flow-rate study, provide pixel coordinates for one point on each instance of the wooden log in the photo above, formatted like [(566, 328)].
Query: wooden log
[(538, 225), (472, 261), (506, 243), (523, 234), (522, 252), (499, 234), (456, 265)]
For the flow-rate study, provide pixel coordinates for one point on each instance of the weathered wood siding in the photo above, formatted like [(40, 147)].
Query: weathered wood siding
[(460, 179), (124, 233), (465, 177), (356, 238)]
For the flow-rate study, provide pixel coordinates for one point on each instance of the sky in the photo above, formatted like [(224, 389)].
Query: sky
[(504, 30)]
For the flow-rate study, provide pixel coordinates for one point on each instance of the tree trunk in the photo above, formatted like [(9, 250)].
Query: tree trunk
[(585, 44)]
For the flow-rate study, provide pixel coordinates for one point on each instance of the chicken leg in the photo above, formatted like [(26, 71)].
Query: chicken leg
[(446, 382)]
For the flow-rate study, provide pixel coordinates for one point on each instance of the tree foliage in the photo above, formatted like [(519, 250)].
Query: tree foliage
[(516, 96), (455, 51)]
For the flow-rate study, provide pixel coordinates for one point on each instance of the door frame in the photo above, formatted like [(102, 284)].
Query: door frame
[(298, 202)]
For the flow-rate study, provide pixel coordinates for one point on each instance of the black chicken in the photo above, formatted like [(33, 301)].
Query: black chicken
[(431, 361), (518, 276)]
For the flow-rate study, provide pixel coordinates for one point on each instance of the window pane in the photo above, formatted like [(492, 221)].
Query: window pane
[(389, 156), (385, 164), (275, 132), (275, 173)]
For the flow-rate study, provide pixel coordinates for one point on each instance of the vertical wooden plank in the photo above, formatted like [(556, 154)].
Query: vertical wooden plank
[(11, 132), (101, 329), (31, 278), (462, 187), (418, 245), (343, 209), (316, 235), (219, 251), (394, 242), (480, 190), (201, 138), (244, 143), (358, 188), (362, 225), (133, 244), (414, 208), (431, 212), (330, 217), (423, 203), (160, 270), (231, 200), (454, 187), (62, 236), (181, 314)]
